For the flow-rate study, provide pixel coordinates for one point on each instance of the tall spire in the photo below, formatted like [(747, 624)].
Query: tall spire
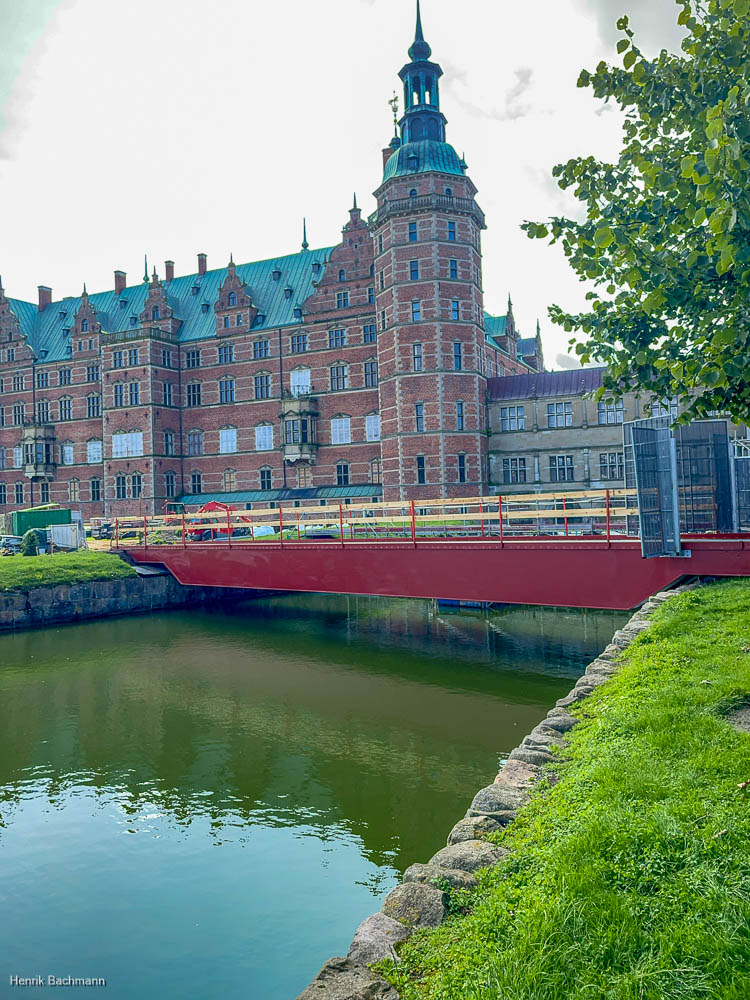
[(355, 207), (420, 49), (145, 268), (305, 244), (422, 118)]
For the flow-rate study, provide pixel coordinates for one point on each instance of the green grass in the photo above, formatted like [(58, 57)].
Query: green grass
[(26, 572), (630, 878)]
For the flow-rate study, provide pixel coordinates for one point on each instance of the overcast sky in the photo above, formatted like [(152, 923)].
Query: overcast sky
[(173, 127)]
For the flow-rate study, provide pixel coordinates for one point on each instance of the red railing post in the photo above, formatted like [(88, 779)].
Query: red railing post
[(500, 517), (184, 533), (341, 524), (565, 515), (413, 524), (609, 540), (281, 527), (145, 532), (229, 530), (252, 529), (481, 517)]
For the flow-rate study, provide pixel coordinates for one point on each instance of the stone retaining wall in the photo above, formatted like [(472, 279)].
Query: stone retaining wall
[(103, 598), (418, 902)]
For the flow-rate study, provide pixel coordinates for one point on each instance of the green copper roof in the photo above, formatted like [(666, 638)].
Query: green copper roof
[(422, 157), (48, 331)]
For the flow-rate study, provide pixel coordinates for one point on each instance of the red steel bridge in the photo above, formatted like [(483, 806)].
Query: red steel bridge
[(578, 549)]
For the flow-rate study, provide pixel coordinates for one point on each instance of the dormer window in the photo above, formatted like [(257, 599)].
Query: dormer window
[(276, 274), (232, 300), (297, 312), (84, 326), (123, 303), (204, 307), (316, 267), (133, 320), (195, 289), (61, 315), (287, 292), (412, 162), (155, 312), (260, 319)]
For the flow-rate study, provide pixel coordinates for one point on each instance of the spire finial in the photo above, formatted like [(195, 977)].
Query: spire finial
[(419, 49), (355, 206), (84, 289), (305, 244), (145, 268), (538, 329), (231, 259)]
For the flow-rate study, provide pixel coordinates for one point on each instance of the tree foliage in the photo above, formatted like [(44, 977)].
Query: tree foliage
[(666, 239)]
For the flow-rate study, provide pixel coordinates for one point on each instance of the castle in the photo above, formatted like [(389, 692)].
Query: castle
[(365, 370)]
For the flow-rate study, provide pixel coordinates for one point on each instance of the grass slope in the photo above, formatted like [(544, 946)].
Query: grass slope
[(26, 572), (630, 878)]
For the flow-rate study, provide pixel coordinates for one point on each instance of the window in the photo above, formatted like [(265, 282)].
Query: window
[(118, 359), (262, 386), (42, 411), (10, 354), (170, 485), (299, 382), (304, 477), (611, 465), (419, 417), (134, 393), (196, 482), (449, 192), (452, 232), (299, 343), (380, 244), (66, 454), (512, 418), (226, 354), (166, 393), (127, 444), (19, 382), (132, 357), (238, 319), (229, 480), (2, 458), (514, 470), (3, 494), (169, 443), (459, 415), (226, 390), (44, 492), (93, 406), (93, 373), (561, 468), (19, 493), (84, 326), (416, 357), (134, 321), (264, 437), (298, 431), (383, 320), (339, 377), (416, 312), (337, 338), (454, 269), (413, 232), (342, 275), (370, 333), (166, 358), (19, 413), (559, 414), (376, 471), (342, 300), (155, 312), (342, 474), (266, 479), (261, 349), (74, 491), (195, 443), (414, 270), (341, 432), (462, 468), (17, 456), (95, 489), (42, 380), (118, 394), (413, 193), (371, 374), (610, 412), (372, 427), (455, 309), (93, 451), (370, 296), (65, 376), (228, 440), (232, 299), (194, 394), (66, 408), (457, 357), (136, 485), (2, 416), (192, 359), (668, 408), (421, 471)]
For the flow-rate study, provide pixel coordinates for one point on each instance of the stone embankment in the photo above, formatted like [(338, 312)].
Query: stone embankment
[(422, 898), (101, 599)]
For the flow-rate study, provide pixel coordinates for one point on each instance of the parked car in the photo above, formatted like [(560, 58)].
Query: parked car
[(10, 544)]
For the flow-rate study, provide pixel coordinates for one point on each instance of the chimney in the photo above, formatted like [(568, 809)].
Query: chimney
[(45, 297), (120, 282), (201, 263), (169, 268)]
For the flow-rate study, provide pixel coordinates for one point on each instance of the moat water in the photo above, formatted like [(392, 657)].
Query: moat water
[(206, 804)]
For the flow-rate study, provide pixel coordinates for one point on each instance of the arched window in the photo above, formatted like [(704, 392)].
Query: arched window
[(266, 478), (84, 326), (195, 442), (376, 471), (449, 192), (155, 312), (413, 193), (342, 474), (230, 480), (232, 300), (342, 275)]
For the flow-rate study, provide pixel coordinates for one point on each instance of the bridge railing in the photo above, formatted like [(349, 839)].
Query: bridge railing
[(590, 514)]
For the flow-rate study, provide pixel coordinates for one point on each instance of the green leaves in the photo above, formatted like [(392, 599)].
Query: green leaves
[(630, 58), (603, 238)]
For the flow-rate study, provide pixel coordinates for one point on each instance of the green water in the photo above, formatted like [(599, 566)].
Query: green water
[(206, 804)]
